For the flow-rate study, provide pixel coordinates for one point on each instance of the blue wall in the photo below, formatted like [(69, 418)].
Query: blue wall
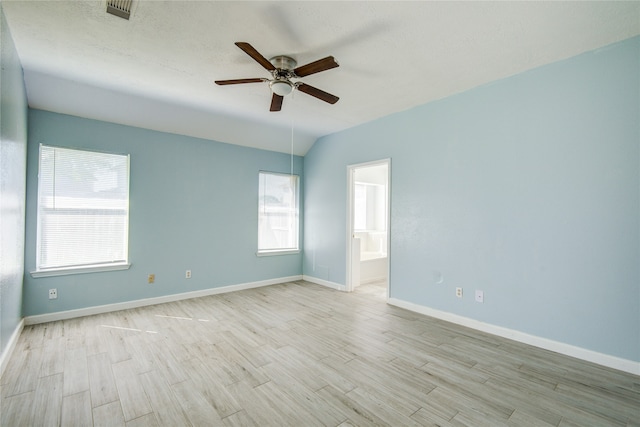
[(13, 155), (527, 188), (193, 205)]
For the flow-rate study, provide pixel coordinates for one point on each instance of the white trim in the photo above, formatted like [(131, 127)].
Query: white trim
[(332, 285), (274, 252), (88, 311), (121, 263), (11, 345), (559, 347), (296, 209), (348, 284), (79, 270), (349, 287)]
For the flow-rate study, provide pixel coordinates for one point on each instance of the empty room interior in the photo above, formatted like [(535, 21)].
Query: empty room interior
[(319, 213)]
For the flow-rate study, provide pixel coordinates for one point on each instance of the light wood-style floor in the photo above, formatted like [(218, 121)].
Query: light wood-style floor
[(298, 354)]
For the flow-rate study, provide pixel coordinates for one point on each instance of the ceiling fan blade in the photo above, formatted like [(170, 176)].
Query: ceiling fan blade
[(252, 52), (276, 102), (320, 94), (239, 81), (315, 67)]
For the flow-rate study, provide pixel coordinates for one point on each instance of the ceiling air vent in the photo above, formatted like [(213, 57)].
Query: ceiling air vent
[(121, 8)]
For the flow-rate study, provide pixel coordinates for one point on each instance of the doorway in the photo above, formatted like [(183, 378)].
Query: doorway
[(368, 226)]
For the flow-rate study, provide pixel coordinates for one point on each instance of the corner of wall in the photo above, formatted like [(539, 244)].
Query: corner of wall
[(13, 154)]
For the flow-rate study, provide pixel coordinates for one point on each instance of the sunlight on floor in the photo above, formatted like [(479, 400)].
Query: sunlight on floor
[(181, 318), (127, 329)]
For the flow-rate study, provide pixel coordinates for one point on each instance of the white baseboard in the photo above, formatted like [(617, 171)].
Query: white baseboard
[(567, 349), (11, 345), (70, 314), (373, 280), (323, 282)]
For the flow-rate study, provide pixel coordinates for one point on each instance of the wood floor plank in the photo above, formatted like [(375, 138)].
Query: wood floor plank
[(133, 399), (195, 405), (205, 378), (53, 330), (76, 371), (290, 410), (351, 409), (162, 399), (527, 399), (142, 353), (240, 366), (114, 340), (30, 369), (53, 363), (302, 396), (76, 410), (12, 372), (471, 400), (371, 380), (427, 417), (522, 418), (108, 415), (376, 405), (148, 420), (249, 348), (17, 410), (298, 354), (166, 363), (239, 419), (47, 403), (101, 381), (32, 337), (256, 407), (307, 369)]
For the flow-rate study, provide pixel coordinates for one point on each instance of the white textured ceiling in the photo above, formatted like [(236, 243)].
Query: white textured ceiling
[(157, 70)]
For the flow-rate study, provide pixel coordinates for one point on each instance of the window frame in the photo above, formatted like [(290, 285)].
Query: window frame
[(280, 251), (84, 268)]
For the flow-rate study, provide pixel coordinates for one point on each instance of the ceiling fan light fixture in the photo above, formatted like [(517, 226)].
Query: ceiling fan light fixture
[(281, 87)]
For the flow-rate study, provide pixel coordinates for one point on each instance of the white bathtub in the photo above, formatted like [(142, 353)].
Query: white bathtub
[(373, 267)]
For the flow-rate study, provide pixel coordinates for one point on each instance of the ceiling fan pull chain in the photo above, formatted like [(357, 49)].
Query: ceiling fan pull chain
[(292, 145)]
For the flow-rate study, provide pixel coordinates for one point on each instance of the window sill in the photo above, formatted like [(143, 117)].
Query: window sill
[(78, 270), (278, 252)]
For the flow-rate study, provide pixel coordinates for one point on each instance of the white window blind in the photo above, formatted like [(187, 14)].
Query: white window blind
[(83, 209), (277, 212)]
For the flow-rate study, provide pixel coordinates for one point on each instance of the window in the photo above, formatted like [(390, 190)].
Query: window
[(360, 207), (277, 213), (83, 210), (369, 207)]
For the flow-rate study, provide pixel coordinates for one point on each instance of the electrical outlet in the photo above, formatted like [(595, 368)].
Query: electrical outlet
[(151, 278), (479, 296), (459, 292), (187, 274), (53, 293)]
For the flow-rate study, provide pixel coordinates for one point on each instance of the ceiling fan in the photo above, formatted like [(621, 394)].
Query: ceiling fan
[(283, 70)]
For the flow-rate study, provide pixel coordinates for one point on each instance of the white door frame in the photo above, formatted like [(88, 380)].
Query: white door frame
[(350, 214)]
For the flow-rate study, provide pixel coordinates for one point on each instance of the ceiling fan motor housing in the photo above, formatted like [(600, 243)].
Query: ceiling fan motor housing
[(281, 85), (283, 62)]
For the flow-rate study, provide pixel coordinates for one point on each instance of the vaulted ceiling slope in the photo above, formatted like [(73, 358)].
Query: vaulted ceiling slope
[(156, 70)]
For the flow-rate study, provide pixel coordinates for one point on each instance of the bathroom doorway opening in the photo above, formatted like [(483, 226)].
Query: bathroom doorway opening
[(368, 227)]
